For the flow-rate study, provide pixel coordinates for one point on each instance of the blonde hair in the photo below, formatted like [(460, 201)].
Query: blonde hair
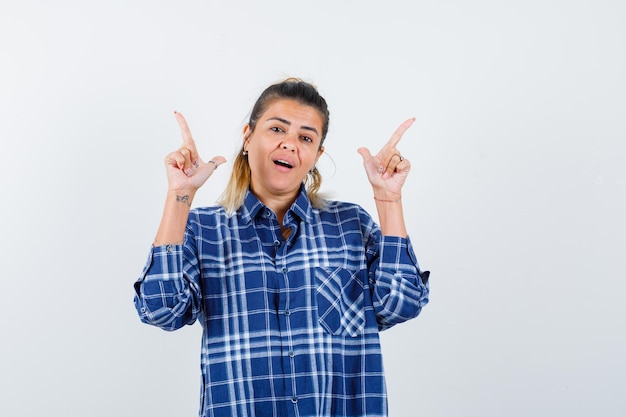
[(291, 88)]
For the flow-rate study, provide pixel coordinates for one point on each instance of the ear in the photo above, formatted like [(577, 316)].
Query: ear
[(320, 151), (246, 134)]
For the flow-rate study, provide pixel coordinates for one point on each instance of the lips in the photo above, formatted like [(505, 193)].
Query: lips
[(283, 163)]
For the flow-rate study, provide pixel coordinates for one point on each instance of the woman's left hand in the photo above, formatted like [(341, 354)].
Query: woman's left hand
[(388, 169)]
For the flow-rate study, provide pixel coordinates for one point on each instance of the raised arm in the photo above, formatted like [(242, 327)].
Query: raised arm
[(186, 173), (387, 172)]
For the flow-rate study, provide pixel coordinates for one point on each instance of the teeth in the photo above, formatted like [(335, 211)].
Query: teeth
[(283, 163)]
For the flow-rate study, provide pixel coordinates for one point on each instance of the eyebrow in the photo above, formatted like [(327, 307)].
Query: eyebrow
[(287, 122)]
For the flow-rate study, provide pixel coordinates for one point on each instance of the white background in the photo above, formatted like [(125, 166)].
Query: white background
[(515, 202)]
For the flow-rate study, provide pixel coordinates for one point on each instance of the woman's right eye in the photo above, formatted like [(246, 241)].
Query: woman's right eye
[(276, 129)]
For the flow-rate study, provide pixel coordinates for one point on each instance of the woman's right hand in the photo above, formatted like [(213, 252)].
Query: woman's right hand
[(185, 170)]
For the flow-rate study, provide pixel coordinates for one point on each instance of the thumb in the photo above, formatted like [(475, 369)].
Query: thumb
[(365, 153)]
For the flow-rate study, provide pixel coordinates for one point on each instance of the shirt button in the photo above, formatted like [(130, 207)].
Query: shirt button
[(284, 269), (276, 243), (294, 399), (291, 354), (287, 312)]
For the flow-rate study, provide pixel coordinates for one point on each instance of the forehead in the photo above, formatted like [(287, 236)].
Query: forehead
[(294, 112)]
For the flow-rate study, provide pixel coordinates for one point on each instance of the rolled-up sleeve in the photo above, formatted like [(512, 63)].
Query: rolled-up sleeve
[(399, 288), (167, 294)]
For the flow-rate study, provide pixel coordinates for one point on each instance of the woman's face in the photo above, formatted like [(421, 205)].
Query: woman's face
[(284, 146)]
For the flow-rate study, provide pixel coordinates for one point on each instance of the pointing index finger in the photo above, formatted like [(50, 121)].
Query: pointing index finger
[(397, 135), (188, 141)]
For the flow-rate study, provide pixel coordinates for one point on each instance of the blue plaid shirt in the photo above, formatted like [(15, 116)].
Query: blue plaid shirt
[(290, 327)]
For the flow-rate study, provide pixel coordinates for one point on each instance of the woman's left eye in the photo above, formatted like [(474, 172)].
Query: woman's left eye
[(306, 138)]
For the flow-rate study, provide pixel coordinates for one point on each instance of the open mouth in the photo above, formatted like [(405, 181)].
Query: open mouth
[(283, 163)]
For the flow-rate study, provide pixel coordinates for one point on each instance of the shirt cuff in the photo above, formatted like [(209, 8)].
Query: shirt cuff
[(397, 253), (159, 262)]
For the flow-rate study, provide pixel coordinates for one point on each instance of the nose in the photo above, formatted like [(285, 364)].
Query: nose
[(288, 144)]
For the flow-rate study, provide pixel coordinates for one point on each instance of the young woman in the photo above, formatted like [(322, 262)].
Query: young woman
[(291, 289)]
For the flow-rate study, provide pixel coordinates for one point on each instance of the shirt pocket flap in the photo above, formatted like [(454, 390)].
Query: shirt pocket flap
[(340, 301)]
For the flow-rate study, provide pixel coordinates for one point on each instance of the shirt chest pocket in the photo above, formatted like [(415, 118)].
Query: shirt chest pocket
[(340, 301)]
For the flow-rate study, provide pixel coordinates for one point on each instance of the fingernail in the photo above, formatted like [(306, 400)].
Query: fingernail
[(380, 169), (195, 163), (188, 172)]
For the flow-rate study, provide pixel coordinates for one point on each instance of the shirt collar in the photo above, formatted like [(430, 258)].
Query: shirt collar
[(301, 207)]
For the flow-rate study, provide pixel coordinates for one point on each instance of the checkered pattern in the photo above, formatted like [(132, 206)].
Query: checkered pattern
[(291, 327)]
